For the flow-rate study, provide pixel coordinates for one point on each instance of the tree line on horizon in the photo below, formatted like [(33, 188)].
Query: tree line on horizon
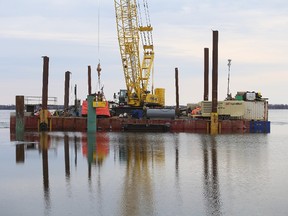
[(278, 106)]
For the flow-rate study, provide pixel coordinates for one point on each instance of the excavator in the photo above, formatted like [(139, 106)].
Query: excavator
[(131, 26)]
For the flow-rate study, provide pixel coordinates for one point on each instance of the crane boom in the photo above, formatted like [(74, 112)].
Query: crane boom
[(137, 74)]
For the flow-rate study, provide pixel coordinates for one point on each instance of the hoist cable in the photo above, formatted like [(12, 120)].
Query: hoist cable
[(98, 42)]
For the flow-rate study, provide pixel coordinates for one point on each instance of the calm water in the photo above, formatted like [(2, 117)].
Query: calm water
[(145, 173)]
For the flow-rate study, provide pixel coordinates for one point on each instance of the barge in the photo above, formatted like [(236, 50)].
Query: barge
[(187, 125), (246, 113)]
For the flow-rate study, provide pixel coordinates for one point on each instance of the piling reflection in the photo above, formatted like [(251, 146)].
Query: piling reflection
[(75, 150), (67, 157), (20, 153), (176, 143), (91, 144), (210, 174), (43, 146), (20, 148), (95, 146)]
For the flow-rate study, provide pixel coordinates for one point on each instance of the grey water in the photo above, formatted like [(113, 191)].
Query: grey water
[(67, 173)]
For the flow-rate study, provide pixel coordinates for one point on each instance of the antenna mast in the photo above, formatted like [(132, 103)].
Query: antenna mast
[(228, 88)]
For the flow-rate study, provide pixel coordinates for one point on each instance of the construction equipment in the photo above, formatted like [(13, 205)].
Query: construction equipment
[(246, 105), (100, 103), (130, 28)]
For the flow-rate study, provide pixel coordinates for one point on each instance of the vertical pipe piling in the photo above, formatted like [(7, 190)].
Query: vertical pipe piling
[(206, 74), (89, 80), (91, 117), (45, 82), (75, 94), (19, 118), (43, 114), (66, 95), (214, 113), (76, 102), (215, 72), (177, 92)]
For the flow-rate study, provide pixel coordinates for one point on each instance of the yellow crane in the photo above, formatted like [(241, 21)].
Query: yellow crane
[(137, 74)]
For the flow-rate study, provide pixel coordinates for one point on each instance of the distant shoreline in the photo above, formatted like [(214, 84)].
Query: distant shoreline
[(55, 107), (13, 107)]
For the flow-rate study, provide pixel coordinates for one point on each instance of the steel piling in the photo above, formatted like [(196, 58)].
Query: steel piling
[(206, 74), (67, 86), (20, 127), (177, 109), (214, 113)]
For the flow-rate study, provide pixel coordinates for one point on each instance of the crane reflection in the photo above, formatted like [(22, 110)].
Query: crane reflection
[(140, 153)]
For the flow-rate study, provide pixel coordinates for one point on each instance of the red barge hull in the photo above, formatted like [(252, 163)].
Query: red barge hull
[(189, 125)]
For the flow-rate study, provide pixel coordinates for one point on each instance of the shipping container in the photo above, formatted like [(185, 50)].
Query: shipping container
[(226, 109), (234, 109), (256, 110)]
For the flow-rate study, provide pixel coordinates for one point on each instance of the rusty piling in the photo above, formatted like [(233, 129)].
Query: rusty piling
[(66, 95), (19, 118), (206, 74), (43, 123), (215, 72), (45, 82), (177, 109), (214, 113)]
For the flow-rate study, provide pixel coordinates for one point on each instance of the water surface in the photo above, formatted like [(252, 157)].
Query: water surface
[(65, 173)]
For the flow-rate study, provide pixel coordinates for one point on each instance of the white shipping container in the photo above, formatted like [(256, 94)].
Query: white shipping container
[(256, 110), (234, 109), (249, 110)]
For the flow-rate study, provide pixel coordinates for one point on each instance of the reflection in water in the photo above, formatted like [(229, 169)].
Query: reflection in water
[(75, 150), (95, 146), (177, 156), (211, 184), (66, 156), (44, 145), (148, 174), (91, 143), (20, 153), (140, 156), (45, 142)]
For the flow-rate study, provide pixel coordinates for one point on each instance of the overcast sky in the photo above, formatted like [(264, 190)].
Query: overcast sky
[(252, 33)]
